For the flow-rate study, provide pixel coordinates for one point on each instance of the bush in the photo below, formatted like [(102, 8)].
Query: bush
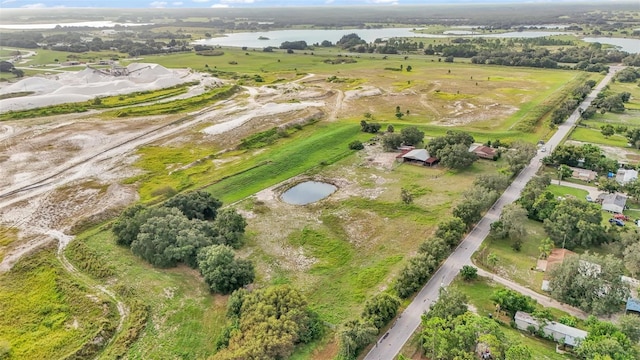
[(469, 273), (356, 145)]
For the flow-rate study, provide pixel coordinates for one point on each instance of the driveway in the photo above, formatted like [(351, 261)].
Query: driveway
[(392, 341)]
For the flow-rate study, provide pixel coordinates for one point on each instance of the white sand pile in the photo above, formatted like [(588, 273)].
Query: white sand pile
[(364, 92), (266, 110), (89, 83)]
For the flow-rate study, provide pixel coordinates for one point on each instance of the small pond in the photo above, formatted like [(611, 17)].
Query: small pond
[(308, 192)]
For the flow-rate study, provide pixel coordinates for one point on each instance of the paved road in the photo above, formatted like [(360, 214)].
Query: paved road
[(391, 342)]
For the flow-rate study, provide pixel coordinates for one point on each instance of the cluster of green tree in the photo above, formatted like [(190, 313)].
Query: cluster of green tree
[(570, 222), (355, 335), (294, 45), (453, 149), (267, 324), (485, 191), (147, 35), (450, 332), (631, 60), (628, 75), (565, 109), (510, 225), (420, 268), (608, 341), (6, 66), (369, 127), (626, 246), (607, 102), (409, 135), (402, 44), (588, 156), (22, 39), (510, 302), (592, 283), (519, 155), (189, 229)]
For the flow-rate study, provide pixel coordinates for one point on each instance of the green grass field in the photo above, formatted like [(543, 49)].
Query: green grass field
[(184, 317), (564, 191), (517, 265), (45, 314)]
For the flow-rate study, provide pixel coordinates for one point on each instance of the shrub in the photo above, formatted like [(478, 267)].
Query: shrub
[(356, 145)]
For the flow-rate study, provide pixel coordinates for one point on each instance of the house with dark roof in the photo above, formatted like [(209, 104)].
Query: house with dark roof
[(614, 203), (484, 152), (561, 333)]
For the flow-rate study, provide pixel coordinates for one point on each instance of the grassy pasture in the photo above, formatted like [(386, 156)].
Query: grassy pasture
[(184, 318), (517, 265), (45, 314)]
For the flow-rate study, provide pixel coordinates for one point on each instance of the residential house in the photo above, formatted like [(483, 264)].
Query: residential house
[(614, 203), (624, 176), (584, 174), (484, 152), (555, 258), (561, 333)]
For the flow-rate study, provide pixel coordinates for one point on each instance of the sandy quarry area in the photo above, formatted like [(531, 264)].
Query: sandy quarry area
[(59, 170)]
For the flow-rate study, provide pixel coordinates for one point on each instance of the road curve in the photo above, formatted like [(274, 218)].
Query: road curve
[(389, 345)]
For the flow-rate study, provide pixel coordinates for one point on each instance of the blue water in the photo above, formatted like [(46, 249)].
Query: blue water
[(308, 192)]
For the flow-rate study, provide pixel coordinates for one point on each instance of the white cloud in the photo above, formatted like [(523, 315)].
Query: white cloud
[(34, 6), (392, 2), (177, 3), (219, 6), (329, 2), (8, 1), (158, 4), (237, 1), (200, 1)]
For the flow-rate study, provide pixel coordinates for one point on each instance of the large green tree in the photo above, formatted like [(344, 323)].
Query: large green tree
[(167, 240), (606, 341), (456, 156), (590, 282), (511, 222), (411, 135), (452, 137), (271, 322), (221, 271), (519, 155), (451, 230), (354, 336), (451, 303), (380, 309), (575, 222), (458, 338), (195, 204), (230, 227), (511, 301)]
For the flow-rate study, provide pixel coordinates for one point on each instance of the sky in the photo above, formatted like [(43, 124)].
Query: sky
[(228, 3)]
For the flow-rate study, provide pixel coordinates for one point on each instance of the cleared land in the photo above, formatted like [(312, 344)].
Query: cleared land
[(339, 251)]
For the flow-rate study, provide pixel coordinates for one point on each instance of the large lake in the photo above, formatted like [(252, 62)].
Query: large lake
[(277, 37)]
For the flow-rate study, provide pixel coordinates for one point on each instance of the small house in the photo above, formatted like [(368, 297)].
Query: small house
[(614, 203), (584, 174), (561, 333), (484, 152), (419, 157), (624, 176)]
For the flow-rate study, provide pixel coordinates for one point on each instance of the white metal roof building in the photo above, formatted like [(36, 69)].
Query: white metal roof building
[(561, 333)]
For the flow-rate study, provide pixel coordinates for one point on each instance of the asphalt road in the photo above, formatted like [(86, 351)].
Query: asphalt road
[(390, 343)]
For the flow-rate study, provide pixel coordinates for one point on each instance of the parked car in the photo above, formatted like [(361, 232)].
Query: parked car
[(617, 222), (589, 199)]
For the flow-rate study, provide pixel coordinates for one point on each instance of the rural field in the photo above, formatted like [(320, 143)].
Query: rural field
[(79, 146)]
